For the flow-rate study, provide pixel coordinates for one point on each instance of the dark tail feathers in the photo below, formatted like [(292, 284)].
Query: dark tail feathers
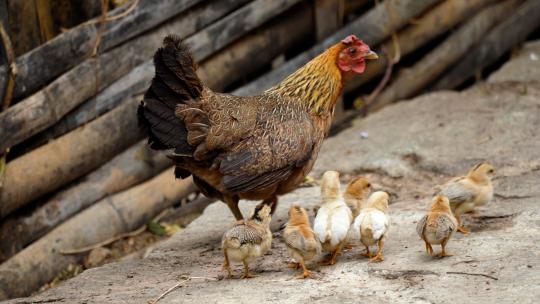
[(175, 82)]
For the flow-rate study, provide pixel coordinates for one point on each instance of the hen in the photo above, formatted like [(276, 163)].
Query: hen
[(255, 147)]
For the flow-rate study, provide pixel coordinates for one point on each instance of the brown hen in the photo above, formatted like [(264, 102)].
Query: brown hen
[(255, 147)]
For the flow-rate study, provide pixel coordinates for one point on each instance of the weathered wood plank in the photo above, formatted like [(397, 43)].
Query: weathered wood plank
[(373, 27), (41, 65), (49, 105), (514, 30)]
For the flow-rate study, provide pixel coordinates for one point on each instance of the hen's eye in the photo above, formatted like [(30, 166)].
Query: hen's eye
[(352, 50)]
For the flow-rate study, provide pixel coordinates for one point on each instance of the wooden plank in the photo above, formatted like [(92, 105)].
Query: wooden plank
[(456, 47), (328, 17), (41, 65), (373, 27), (131, 167), (514, 30), (46, 107)]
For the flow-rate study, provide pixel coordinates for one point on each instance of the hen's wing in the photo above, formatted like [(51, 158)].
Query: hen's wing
[(445, 226), (282, 139)]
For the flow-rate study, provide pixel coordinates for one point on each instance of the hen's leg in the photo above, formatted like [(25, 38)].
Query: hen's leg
[(272, 202), (232, 202)]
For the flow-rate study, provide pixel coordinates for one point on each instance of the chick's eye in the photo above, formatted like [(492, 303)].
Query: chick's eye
[(368, 185), (352, 50)]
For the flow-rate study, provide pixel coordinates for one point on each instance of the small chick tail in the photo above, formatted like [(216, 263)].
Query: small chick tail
[(231, 243)]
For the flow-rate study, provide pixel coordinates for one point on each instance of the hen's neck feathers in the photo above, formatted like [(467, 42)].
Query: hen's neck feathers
[(318, 84)]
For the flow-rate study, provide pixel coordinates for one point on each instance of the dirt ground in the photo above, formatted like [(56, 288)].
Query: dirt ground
[(410, 147)]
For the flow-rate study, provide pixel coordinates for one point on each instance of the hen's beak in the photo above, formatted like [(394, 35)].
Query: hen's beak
[(371, 55)]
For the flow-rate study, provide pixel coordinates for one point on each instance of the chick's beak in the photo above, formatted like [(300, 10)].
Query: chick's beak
[(371, 55)]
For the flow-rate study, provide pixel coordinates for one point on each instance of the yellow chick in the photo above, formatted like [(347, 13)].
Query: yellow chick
[(356, 193), (467, 192), (333, 218), (438, 226), (372, 224), (300, 239), (248, 239)]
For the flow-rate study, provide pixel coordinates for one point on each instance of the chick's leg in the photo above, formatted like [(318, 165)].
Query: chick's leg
[(232, 202), (378, 256), (429, 249), (293, 265), (247, 275), (443, 250), (226, 265), (460, 227), (333, 257), (306, 273), (366, 254)]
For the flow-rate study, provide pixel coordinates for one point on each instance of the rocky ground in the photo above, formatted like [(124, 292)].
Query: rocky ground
[(410, 147)]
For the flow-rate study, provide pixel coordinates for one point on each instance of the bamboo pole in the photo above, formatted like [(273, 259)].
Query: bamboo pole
[(514, 30), (70, 156), (373, 27), (241, 58), (432, 24), (114, 215), (456, 47), (46, 62), (127, 169), (46, 107)]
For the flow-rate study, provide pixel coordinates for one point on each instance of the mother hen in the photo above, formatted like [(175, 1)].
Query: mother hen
[(255, 147)]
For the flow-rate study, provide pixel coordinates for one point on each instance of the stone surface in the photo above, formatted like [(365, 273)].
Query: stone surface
[(411, 147)]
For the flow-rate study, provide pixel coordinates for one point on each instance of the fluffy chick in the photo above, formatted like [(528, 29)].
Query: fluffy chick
[(438, 226), (356, 193), (372, 224), (248, 239), (467, 192), (300, 239), (333, 218)]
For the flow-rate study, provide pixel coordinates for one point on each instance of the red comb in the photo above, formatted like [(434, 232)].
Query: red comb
[(350, 39)]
